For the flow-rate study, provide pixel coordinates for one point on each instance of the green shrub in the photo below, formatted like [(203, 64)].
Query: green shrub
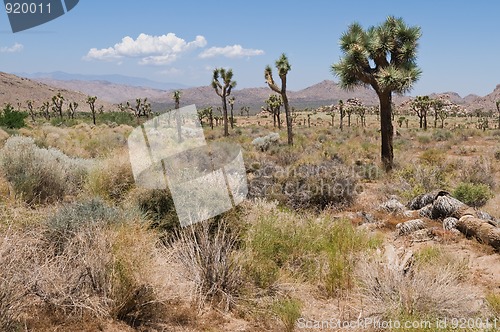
[(12, 119), (316, 249), (432, 157), (475, 195), (493, 301), (288, 311), (117, 117), (441, 135), (158, 207), (40, 175)]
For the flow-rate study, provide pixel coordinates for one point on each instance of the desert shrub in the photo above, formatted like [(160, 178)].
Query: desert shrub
[(265, 142), (18, 252), (111, 178), (497, 155), (118, 118), (478, 171), (312, 185), (493, 301), (95, 273), (475, 195), (433, 157), (71, 218), (207, 255), (157, 206), (420, 179), (305, 249), (441, 135), (423, 139), (432, 286), (288, 311), (40, 175), (58, 122), (12, 119)]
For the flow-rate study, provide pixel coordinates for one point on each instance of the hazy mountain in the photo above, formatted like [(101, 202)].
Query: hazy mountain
[(117, 79), (15, 89)]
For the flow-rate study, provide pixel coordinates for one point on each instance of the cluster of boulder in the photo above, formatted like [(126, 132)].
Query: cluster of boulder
[(454, 215)]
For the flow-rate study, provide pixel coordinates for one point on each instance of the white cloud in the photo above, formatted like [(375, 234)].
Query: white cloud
[(13, 49), (152, 50), (235, 51), (171, 72)]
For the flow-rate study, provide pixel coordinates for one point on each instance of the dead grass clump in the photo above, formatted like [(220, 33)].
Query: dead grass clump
[(90, 268), (18, 255), (112, 178), (431, 284), (208, 257)]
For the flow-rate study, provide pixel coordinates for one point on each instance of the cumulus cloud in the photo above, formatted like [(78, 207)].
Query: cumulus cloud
[(235, 51), (12, 49), (152, 50)]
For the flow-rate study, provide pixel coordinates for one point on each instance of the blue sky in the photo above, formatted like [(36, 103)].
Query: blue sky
[(459, 50)]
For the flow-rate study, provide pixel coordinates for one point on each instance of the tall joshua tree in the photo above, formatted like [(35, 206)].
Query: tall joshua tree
[(223, 90), (176, 96), (497, 103), (283, 67), (383, 57), (91, 101), (231, 117)]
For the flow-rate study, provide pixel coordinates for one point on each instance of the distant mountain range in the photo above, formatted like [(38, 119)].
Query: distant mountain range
[(116, 79), (109, 90)]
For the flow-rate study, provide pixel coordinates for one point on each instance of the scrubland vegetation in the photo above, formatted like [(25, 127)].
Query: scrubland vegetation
[(83, 248)]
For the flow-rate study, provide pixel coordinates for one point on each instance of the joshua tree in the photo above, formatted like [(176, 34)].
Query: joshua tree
[(31, 109), (497, 103), (383, 57), (58, 101), (274, 103), (45, 110), (72, 109), (91, 101), (231, 118), (176, 96), (245, 109), (342, 114), (283, 67), (437, 105), (421, 105), (223, 90)]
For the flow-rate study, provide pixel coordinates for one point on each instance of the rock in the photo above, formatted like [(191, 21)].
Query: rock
[(426, 212), (450, 223), (488, 217), (421, 201), (392, 206), (410, 226), (446, 206)]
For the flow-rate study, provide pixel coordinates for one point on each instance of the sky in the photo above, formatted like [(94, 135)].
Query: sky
[(183, 41)]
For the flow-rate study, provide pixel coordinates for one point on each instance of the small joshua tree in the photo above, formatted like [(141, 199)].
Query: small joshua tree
[(31, 109), (421, 105), (57, 102), (72, 109), (231, 117), (497, 103), (274, 103)]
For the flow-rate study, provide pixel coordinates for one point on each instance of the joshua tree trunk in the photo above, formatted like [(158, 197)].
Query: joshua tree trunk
[(386, 129), (178, 121)]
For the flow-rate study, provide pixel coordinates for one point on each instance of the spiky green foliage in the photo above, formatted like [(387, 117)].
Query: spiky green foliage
[(223, 90), (383, 57)]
